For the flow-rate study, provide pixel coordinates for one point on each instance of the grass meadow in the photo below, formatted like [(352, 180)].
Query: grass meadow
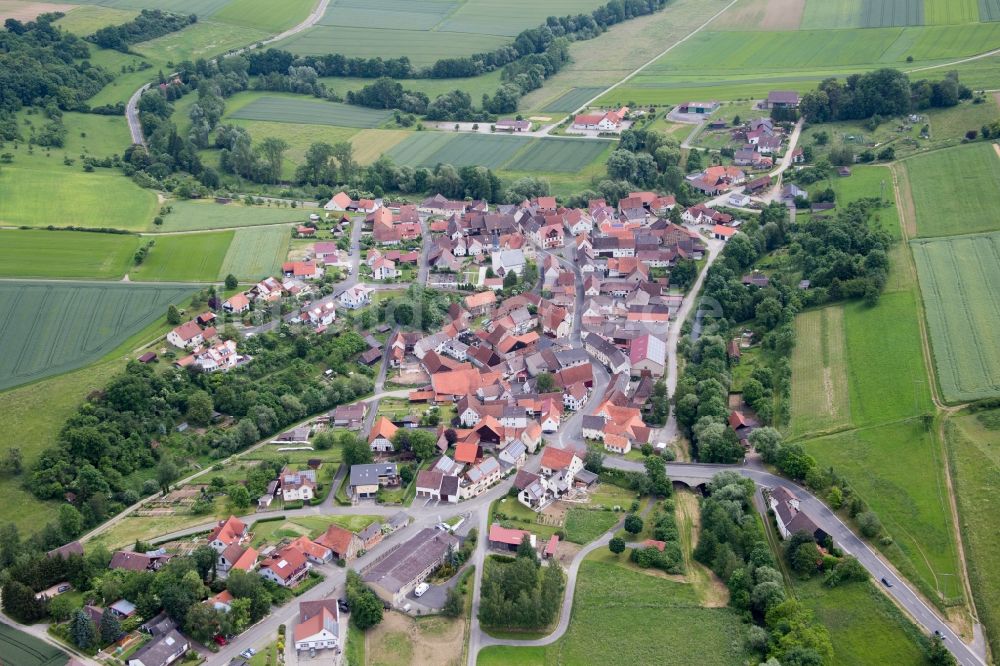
[(610, 600), (550, 154), (196, 215), (955, 191), (865, 626), (184, 258), (50, 328), (820, 397), (88, 19), (256, 253), (898, 469), (458, 149), (974, 450), (65, 254), (265, 14), (298, 109), (585, 525), (958, 280)]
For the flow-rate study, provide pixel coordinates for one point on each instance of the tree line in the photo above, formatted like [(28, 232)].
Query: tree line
[(149, 24)]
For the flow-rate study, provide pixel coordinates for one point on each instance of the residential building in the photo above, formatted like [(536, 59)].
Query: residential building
[(367, 479), (507, 539), (401, 570), (287, 567), (342, 543), (163, 650), (380, 437), (318, 627), (227, 532)]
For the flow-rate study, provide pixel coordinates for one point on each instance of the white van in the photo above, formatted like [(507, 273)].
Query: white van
[(419, 592)]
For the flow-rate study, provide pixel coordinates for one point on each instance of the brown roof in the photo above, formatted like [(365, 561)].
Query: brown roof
[(337, 539)]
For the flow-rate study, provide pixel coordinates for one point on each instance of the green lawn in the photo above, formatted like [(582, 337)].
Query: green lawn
[(256, 253), (87, 20), (194, 215), (184, 258), (974, 450), (865, 626), (954, 190), (898, 470), (65, 254), (608, 604), (518, 516), (585, 525)]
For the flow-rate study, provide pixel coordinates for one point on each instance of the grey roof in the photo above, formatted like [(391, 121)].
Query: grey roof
[(592, 422), (160, 650), (449, 485), (406, 563), (514, 450), (370, 532), (585, 476), (397, 520), (367, 475)]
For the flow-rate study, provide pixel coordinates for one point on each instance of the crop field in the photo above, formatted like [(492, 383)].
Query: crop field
[(602, 626), (512, 16), (941, 12), (406, 15), (762, 15), (558, 155), (256, 253), (974, 450), (958, 280), (865, 627), (50, 327), (989, 10), (431, 148), (820, 397), (194, 215), (371, 144), (300, 110), (65, 254), (199, 7), (892, 13), (833, 14), (422, 47), (572, 100), (184, 258), (265, 14), (898, 470), (476, 86), (86, 20), (17, 647), (969, 175)]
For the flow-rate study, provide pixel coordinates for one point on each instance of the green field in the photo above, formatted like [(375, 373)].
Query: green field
[(65, 254), (820, 397), (256, 253), (303, 110), (38, 197), (830, 14), (194, 215), (184, 258), (421, 47), (556, 155), (989, 10), (51, 327), (265, 14), (476, 86), (199, 7), (865, 627), (974, 451), (431, 148), (609, 602), (892, 13), (87, 20), (898, 470), (955, 190), (17, 647), (572, 100), (950, 11), (958, 279), (204, 39), (585, 525), (870, 182)]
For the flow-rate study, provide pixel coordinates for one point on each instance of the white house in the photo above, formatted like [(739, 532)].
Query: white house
[(384, 269), (339, 202), (318, 627), (187, 335), (356, 297)]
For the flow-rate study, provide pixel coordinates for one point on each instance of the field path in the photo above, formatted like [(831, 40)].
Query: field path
[(131, 109)]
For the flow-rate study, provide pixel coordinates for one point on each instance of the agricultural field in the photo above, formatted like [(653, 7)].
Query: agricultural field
[(898, 469), (989, 10), (256, 253), (199, 7), (88, 19), (50, 328), (299, 109), (974, 451), (431, 148), (65, 254), (194, 215), (601, 630), (476, 86), (865, 627), (552, 154), (572, 100), (954, 190), (820, 397), (265, 14), (940, 12), (958, 280), (17, 647), (874, 182), (184, 258), (762, 15)]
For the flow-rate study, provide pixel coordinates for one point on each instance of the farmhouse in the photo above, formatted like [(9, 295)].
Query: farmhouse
[(608, 121), (782, 99), (339, 202), (356, 297), (508, 125)]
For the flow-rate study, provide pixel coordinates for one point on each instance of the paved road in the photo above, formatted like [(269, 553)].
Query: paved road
[(131, 109)]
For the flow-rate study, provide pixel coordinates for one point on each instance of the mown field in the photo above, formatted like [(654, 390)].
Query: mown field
[(17, 647), (820, 397), (609, 601), (193, 215), (184, 258), (974, 450), (865, 627), (256, 253), (49, 328), (898, 469), (298, 109), (958, 280), (86, 20), (65, 254), (265, 14), (955, 190)]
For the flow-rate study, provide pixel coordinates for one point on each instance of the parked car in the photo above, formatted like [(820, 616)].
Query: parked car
[(64, 588), (220, 640), (419, 592)]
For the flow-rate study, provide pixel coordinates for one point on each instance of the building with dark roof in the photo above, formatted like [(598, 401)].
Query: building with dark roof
[(399, 572)]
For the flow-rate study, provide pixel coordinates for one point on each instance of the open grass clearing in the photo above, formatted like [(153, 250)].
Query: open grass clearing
[(865, 626), (899, 471), (195, 215), (559, 155), (958, 281), (184, 258), (609, 600), (65, 254), (256, 253), (311, 112), (203, 39), (974, 451), (585, 525), (86, 20), (955, 191), (831, 14), (200, 7), (820, 398), (52, 327)]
